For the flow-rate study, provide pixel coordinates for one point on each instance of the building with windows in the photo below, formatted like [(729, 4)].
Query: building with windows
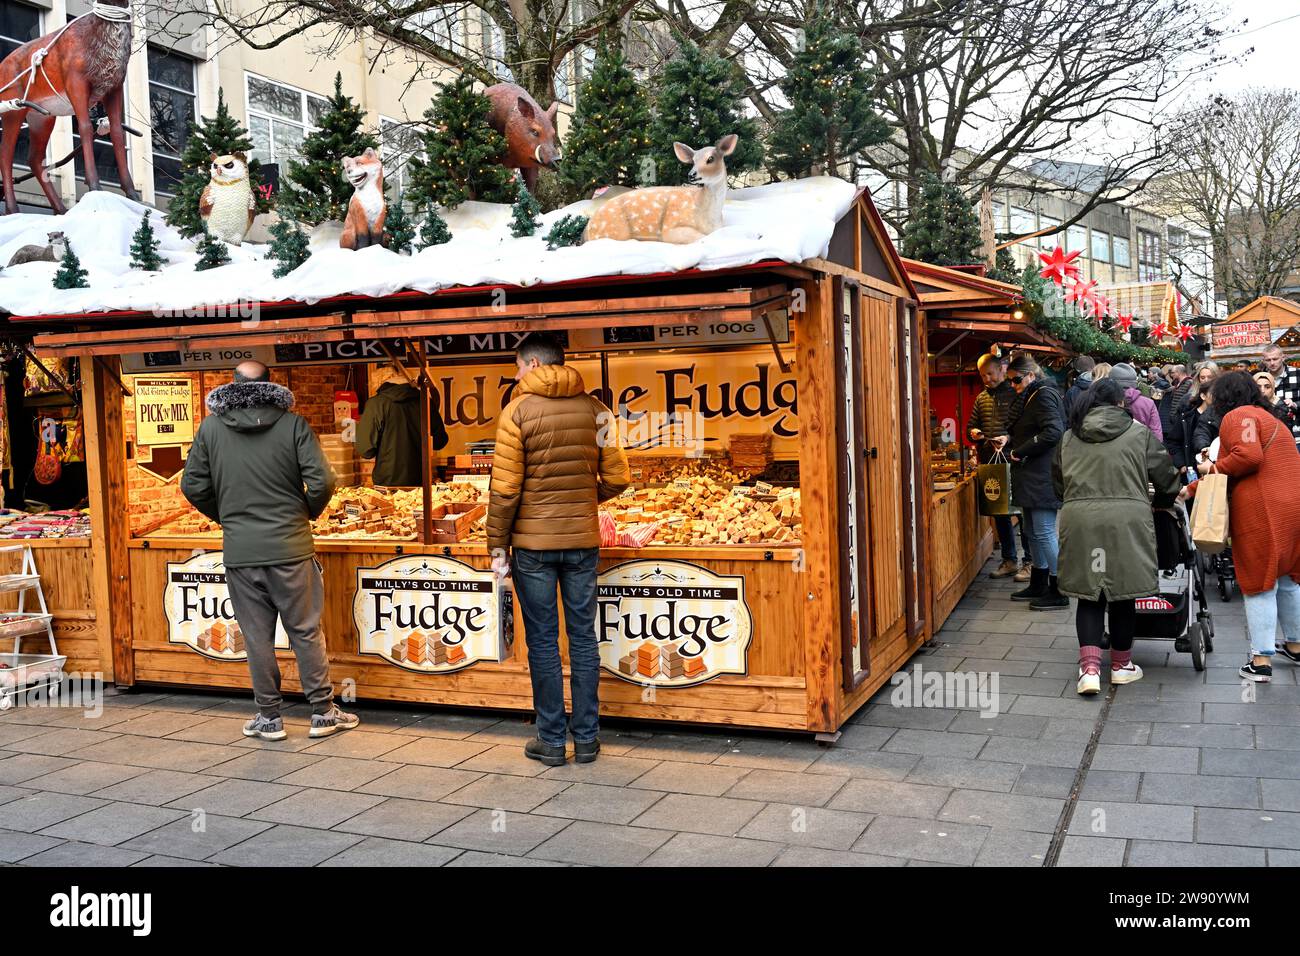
[(279, 94)]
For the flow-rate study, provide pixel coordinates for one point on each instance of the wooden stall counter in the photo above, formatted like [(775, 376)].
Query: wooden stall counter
[(962, 541), (737, 598), (66, 569)]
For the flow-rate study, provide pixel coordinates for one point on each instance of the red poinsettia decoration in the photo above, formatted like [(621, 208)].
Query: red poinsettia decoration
[(1125, 321), (1184, 331), (1060, 265)]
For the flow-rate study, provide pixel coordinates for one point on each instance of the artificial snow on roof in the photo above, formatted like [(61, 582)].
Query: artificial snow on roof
[(789, 221)]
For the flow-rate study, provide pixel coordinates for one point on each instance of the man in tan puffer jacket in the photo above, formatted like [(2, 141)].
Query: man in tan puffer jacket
[(557, 457)]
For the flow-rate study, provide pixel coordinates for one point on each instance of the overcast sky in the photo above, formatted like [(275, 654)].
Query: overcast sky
[(1276, 44)]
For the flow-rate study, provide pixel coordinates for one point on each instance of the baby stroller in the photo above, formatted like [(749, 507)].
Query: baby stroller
[(1221, 566), (1167, 615)]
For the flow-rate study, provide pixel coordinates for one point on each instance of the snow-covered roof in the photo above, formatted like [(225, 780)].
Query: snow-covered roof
[(788, 221)]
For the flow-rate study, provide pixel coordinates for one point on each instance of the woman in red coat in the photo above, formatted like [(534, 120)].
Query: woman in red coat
[(1263, 468)]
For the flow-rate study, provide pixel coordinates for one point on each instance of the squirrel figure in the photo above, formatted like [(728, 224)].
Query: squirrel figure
[(367, 209), (227, 206)]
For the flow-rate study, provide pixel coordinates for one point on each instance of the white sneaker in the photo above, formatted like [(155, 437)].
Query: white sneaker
[(1089, 684), (1125, 675)]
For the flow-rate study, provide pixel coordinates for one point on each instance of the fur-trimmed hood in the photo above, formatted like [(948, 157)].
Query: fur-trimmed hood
[(250, 406)]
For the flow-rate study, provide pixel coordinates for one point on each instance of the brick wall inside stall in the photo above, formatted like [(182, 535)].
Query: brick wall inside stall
[(153, 501)]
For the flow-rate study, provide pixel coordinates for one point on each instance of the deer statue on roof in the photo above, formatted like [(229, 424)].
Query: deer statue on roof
[(67, 73)]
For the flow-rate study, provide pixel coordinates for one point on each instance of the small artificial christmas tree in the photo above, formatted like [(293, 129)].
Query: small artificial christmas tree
[(698, 103), (144, 247), (524, 214), (567, 231), (314, 188), (830, 116), (70, 275), (289, 247), (942, 228), (398, 228), (463, 152), (220, 134), (212, 253), (434, 232), (609, 135)]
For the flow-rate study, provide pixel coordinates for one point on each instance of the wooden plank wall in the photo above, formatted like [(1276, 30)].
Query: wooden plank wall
[(962, 541)]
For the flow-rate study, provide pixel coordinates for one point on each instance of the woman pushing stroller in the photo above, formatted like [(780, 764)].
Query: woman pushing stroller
[(1101, 471)]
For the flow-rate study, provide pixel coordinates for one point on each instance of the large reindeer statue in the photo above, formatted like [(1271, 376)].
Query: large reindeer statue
[(66, 73)]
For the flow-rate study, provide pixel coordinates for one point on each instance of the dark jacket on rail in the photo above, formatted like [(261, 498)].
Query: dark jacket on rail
[(1035, 426), (257, 469)]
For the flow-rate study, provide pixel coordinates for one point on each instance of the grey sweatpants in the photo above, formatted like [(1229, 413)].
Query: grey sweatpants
[(295, 592)]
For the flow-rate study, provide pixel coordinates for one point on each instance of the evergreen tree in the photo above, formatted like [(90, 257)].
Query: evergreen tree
[(1004, 265), (942, 228), (398, 227), (212, 253), (314, 188), (289, 247), (220, 134), (524, 219), (699, 102), (463, 151), (434, 232), (144, 247), (71, 275), (609, 136), (567, 231), (831, 115)]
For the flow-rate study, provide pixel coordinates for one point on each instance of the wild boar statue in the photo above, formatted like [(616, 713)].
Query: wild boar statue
[(531, 139)]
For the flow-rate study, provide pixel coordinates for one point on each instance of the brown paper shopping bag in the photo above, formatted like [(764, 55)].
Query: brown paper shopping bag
[(1210, 514)]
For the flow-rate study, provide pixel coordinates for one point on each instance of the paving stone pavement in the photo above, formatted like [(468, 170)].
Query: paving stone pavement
[(1183, 768)]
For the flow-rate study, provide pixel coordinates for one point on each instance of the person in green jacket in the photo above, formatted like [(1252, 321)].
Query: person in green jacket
[(1101, 471), (258, 470), (389, 432)]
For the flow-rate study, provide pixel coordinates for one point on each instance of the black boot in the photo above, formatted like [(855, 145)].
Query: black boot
[(1053, 600), (535, 749), (1037, 586)]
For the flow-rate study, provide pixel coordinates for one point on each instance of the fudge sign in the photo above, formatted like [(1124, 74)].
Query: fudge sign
[(199, 612), (671, 624), (431, 614), (163, 411)]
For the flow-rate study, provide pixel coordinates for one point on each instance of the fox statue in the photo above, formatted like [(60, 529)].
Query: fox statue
[(364, 225)]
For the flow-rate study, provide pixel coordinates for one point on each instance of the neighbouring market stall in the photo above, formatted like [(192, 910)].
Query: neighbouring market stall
[(785, 577), (964, 315)]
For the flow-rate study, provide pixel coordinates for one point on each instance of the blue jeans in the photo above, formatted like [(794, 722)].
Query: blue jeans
[(1264, 610), (1006, 535), (1040, 525), (536, 575)]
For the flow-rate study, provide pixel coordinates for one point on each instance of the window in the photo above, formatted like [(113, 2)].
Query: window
[(280, 117), (442, 25), (1100, 246), (172, 107), (400, 141), (1121, 252), (1150, 257), (1051, 239), (18, 24), (494, 48), (105, 163), (1023, 221), (1076, 239)]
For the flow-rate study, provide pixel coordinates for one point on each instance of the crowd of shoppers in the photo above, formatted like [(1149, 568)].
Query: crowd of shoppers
[(1089, 464)]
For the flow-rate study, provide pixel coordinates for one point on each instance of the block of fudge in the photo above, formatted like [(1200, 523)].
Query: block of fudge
[(694, 666), (398, 653), (455, 654)]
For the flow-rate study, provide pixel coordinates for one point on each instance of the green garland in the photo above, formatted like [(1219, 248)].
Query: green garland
[(1068, 324)]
